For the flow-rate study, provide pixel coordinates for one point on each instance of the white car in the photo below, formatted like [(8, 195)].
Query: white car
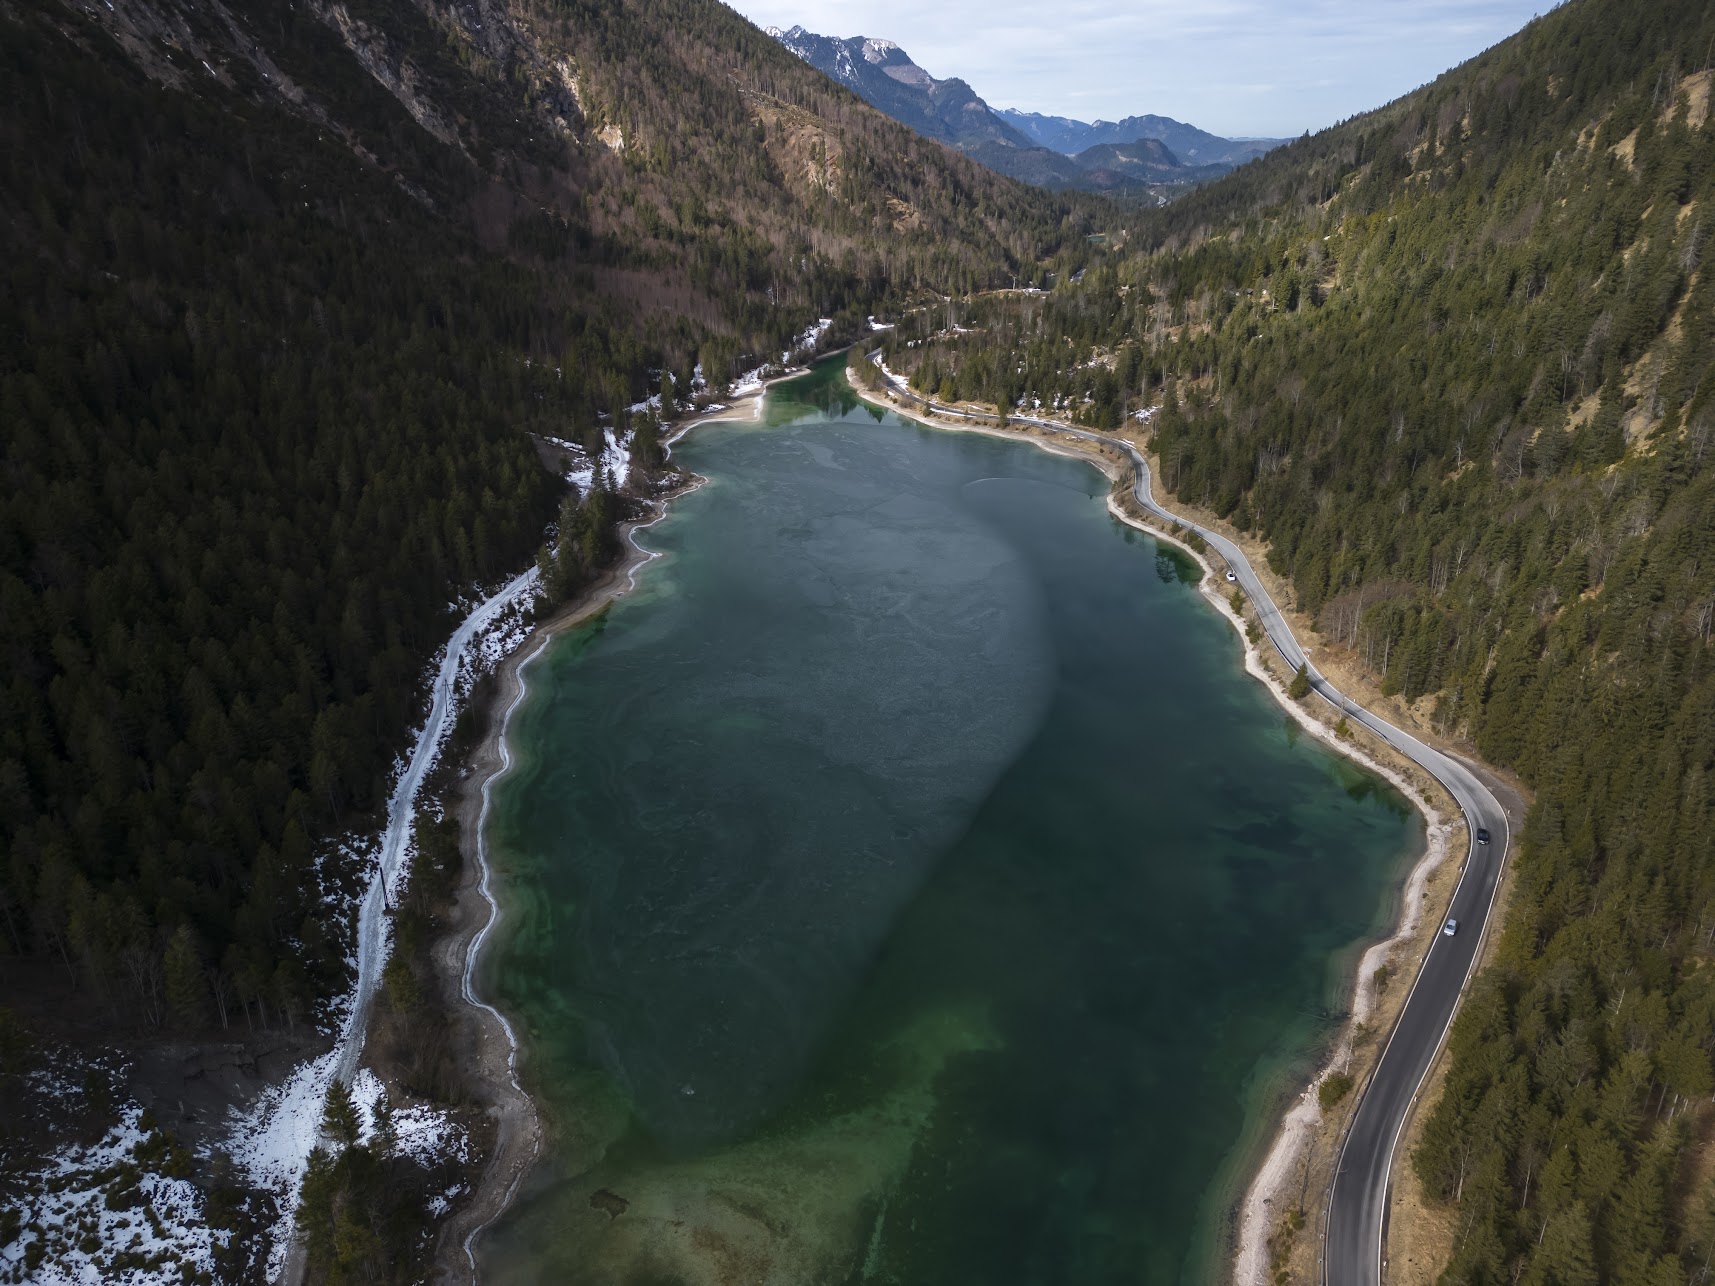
[(1233, 576), (1450, 928)]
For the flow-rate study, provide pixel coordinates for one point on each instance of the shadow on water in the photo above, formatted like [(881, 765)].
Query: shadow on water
[(823, 391), (1173, 566)]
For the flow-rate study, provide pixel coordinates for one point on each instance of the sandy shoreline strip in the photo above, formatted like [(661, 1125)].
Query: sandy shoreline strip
[(493, 1043), (1262, 1205)]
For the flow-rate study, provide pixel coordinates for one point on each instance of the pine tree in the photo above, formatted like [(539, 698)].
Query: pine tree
[(386, 1128), (185, 982), (339, 1119), (1565, 1256)]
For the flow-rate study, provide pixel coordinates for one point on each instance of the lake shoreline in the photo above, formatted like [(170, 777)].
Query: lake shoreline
[(1254, 1208), (1252, 1196), (490, 1046)]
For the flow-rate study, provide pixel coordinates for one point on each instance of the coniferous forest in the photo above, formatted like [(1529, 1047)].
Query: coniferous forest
[(1454, 361), (293, 291), (285, 303), (295, 296)]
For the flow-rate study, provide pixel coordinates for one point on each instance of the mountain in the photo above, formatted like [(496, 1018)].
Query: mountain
[(1146, 167), (512, 213), (297, 296), (1452, 363), (1013, 143), (1188, 143), (1148, 160), (298, 292), (881, 73), (1034, 165)]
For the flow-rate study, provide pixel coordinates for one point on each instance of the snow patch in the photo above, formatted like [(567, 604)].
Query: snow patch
[(271, 1143), (427, 1135), (581, 473), (424, 1133), (441, 1203), (107, 1214), (812, 335), (802, 347), (616, 458), (749, 382)]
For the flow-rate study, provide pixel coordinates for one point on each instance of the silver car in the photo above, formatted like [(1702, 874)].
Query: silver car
[(1450, 928)]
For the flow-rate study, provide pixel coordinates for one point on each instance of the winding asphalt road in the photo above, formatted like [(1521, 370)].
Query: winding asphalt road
[(1354, 1230)]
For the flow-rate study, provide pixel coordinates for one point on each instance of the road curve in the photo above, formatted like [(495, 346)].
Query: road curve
[(1354, 1227)]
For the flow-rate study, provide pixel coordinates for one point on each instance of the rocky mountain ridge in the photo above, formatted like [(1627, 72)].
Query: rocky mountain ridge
[(1047, 151), (882, 73), (1189, 144)]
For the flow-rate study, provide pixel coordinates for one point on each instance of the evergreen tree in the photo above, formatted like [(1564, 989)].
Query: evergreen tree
[(339, 1119), (186, 984), (1566, 1256)]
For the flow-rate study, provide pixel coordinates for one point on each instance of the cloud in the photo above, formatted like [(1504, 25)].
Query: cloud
[(1233, 66)]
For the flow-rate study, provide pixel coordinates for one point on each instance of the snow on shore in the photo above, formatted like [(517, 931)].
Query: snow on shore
[(422, 1132), (271, 1144), (615, 458), (807, 341), (804, 346), (106, 1214), (749, 382)]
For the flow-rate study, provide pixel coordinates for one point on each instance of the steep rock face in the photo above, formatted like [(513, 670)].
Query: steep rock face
[(882, 73)]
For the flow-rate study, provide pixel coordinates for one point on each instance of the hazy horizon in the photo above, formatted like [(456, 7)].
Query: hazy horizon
[(1233, 67)]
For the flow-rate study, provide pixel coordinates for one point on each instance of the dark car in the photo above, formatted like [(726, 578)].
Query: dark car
[(1482, 836)]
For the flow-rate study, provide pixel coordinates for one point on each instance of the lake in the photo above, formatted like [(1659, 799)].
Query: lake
[(905, 884)]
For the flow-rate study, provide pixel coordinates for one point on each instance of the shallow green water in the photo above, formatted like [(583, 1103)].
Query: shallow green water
[(906, 884)]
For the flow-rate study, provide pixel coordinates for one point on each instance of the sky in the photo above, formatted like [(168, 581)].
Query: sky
[(1263, 68)]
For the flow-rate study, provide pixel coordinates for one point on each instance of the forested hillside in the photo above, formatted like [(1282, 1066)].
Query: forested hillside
[(288, 290), (1455, 361)]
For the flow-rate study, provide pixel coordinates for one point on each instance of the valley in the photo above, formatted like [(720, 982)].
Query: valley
[(529, 752)]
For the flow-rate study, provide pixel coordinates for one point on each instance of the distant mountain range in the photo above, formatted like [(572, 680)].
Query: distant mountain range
[(1188, 143), (1049, 151)]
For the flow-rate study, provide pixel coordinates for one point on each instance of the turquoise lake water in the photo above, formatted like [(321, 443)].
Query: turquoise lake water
[(906, 884)]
